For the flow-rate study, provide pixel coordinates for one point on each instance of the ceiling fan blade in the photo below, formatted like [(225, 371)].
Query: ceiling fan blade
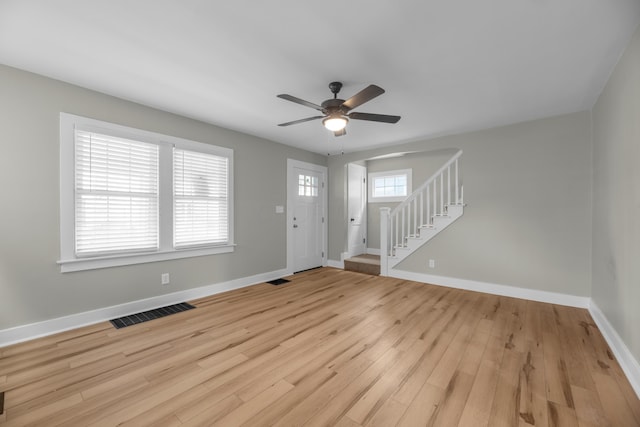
[(340, 132), (295, 122), (366, 94), (300, 101), (374, 117)]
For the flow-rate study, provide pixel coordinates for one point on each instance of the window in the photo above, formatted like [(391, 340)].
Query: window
[(307, 185), (129, 196), (390, 186), (116, 194), (200, 198)]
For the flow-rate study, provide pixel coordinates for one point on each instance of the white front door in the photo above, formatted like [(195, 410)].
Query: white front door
[(356, 209), (307, 221)]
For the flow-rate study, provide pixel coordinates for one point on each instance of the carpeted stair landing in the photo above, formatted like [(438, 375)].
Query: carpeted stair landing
[(367, 264)]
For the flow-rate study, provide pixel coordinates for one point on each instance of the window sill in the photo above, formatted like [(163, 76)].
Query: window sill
[(80, 264)]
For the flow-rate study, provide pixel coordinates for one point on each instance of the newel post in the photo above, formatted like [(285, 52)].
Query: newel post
[(384, 241)]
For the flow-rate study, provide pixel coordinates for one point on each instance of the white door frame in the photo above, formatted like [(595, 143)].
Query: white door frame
[(364, 187), (291, 163)]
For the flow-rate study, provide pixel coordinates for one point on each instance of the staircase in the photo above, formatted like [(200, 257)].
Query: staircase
[(431, 208)]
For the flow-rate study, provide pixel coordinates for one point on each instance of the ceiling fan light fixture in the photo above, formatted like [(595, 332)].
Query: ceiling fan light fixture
[(335, 123)]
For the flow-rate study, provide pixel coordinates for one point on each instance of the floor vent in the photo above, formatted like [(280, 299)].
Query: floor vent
[(145, 316), (278, 282)]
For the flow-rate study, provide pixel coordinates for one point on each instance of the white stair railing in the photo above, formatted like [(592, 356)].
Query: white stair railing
[(419, 210)]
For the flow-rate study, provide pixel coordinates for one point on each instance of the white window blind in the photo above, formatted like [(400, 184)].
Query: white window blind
[(201, 199), (116, 194)]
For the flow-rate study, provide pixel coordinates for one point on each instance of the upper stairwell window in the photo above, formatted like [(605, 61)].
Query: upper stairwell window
[(129, 196), (389, 186)]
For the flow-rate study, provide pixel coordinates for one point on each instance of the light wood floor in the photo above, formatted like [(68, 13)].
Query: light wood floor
[(330, 348)]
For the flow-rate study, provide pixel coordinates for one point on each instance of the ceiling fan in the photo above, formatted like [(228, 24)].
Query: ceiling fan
[(336, 112)]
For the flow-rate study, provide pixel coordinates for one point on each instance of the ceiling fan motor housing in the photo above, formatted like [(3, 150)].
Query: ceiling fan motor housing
[(333, 106)]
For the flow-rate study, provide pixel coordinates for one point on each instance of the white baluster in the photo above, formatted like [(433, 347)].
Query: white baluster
[(449, 185), (457, 195), (397, 221), (428, 206), (402, 234), (421, 208), (442, 193), (435, 205), (415, 216)]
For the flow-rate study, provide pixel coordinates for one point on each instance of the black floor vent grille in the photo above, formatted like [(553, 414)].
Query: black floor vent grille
[(145, 316), (278, 281)]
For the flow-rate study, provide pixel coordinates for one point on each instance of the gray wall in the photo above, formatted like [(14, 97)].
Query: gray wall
[(616, 200), (31, 286), (528, 219), (423, 165)]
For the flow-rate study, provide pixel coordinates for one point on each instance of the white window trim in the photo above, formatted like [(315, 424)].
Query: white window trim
[(68, 261), (373, 175)]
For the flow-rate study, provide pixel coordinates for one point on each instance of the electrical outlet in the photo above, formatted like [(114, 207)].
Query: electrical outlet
[(432, 263), (165, 278)]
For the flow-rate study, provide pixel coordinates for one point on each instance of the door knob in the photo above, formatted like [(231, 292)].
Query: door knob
[(353, 219)]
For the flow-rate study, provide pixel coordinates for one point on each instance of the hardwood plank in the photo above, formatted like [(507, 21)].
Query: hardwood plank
[(615, 406), (347, 397), (291, 399), (388, 415), (562, 416), (323, 395), (367, 405), (214, 412), (533, 402), (606, 359), (477, 408), (169, 409), (247, 410), (506, 403), (439, 337), (42, 412), (453, 400), (422, 408), (556, 373), (588, 408)]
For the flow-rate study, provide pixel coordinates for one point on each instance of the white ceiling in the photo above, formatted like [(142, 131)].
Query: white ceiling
[(447, 66)]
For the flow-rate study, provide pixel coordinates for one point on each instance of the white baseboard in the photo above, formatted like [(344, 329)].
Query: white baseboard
[(490, 288), (335, 264), (627, 362), (373, 251), (61, 324)]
